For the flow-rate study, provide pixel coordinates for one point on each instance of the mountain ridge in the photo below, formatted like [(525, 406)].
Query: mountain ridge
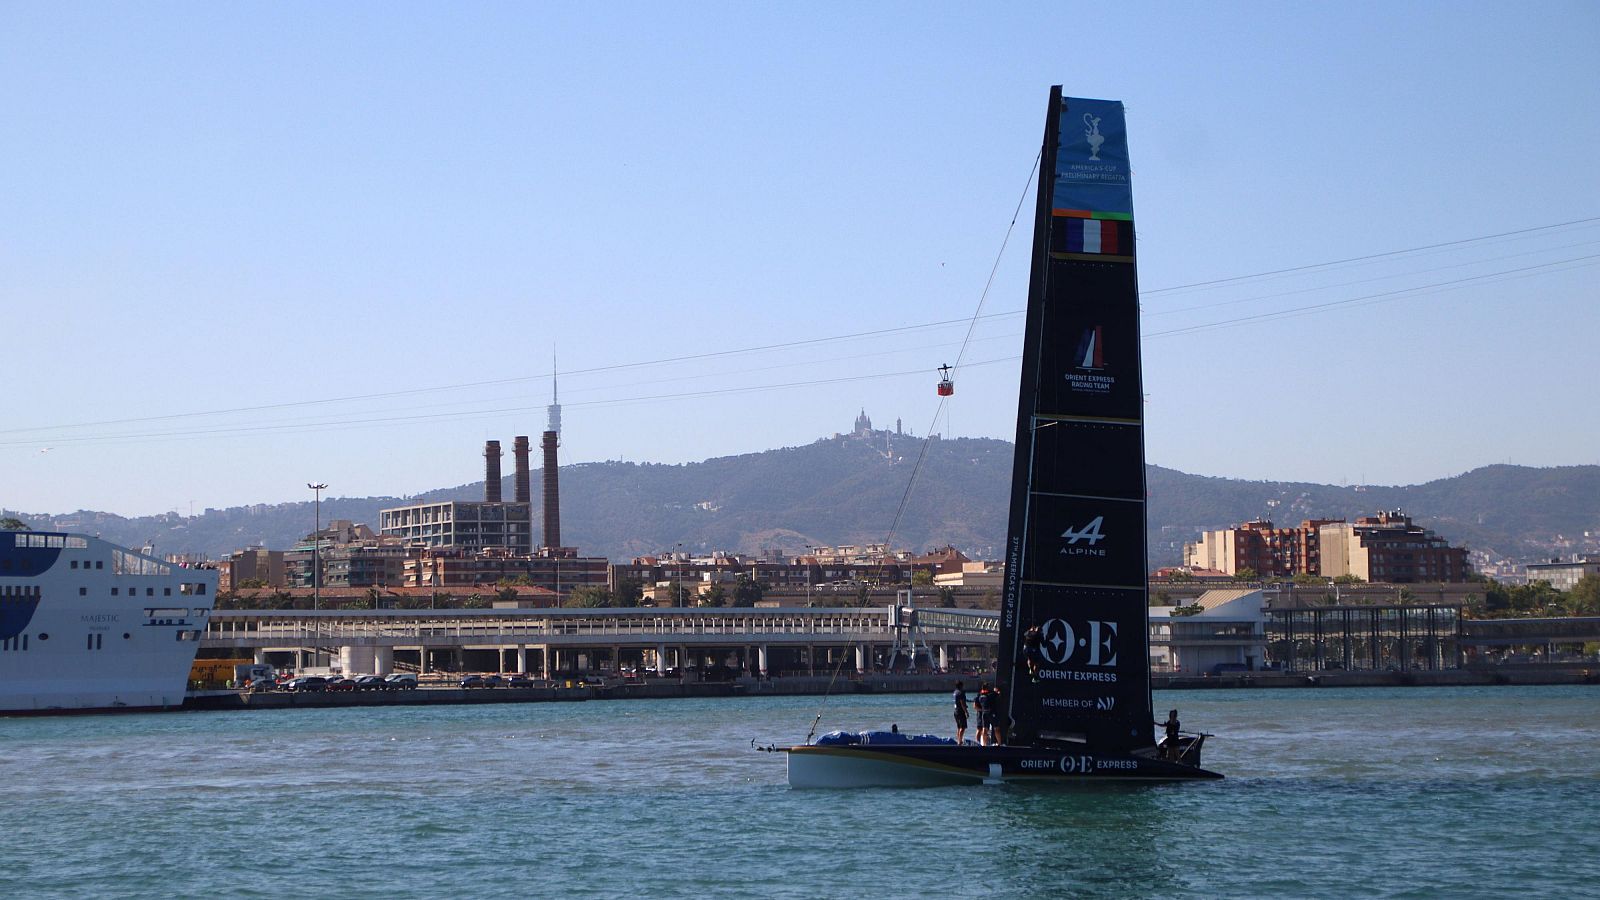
[(847, 489)]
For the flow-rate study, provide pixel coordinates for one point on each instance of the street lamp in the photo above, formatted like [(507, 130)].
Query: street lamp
[(677, 595), (316, 542)]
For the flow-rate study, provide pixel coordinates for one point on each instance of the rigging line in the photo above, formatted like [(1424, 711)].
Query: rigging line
[(1372, 256), (879, 332), (998, 256), (922, 452), (916, 468), (1221, 303), (1333, 304)]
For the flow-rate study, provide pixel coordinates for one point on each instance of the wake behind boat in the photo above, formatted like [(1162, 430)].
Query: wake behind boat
[(1074, 647)]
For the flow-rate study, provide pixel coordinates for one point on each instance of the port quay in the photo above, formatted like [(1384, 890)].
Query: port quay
[(708, 652)]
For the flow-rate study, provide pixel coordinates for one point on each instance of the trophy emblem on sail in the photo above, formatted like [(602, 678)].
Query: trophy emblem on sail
[(1093, 135)]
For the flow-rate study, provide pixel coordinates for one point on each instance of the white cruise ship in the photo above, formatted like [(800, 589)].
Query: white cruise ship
[(85, 624)]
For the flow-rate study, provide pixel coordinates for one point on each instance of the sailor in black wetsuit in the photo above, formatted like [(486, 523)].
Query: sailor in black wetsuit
[(1171, 746), (984, 703), (1030, 652), (960, 698)]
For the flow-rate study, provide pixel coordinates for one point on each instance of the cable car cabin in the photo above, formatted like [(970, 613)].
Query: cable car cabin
[(946, 386)]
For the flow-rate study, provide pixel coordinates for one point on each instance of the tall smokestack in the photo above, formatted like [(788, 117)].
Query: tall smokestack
[(552, 471), (491, 472), (552, 492), (524, 488)]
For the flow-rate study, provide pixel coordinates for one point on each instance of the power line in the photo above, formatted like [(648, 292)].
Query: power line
[(1374, 298), (970, 322), (1370, 256)]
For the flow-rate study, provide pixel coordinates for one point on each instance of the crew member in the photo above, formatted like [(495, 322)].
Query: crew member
[(1173, 753), (960, 698)]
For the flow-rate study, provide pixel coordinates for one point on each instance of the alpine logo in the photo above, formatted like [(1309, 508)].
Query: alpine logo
[(1090, 533)]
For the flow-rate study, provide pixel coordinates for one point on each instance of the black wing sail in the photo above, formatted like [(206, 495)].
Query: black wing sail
[(1074, 640)]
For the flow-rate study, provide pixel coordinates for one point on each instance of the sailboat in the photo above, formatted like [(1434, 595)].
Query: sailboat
[(1074, 667)]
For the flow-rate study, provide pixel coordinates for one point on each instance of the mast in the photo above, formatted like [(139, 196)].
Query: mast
[(1074, 629)]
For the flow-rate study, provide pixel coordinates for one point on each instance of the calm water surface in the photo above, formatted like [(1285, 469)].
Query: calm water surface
[(1411, 792)]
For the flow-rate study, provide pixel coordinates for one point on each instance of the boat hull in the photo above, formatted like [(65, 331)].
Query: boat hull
[(864, 765)]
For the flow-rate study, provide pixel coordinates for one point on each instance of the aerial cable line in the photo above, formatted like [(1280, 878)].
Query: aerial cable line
[(326, 425), (879, 332), (767, 347), (1371, 256), (1380, 297), (1325, 287)]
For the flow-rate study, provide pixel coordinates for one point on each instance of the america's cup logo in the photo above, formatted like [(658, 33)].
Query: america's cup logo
[(1093, 135)]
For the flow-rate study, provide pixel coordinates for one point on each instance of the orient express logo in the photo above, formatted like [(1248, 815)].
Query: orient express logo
[(1092, 644), (1089, 363)]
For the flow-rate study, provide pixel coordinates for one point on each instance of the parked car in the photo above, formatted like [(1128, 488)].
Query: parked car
[(339, 684), (519, 681), (473, 681), (305, 683), (371, 683), (401, 681)]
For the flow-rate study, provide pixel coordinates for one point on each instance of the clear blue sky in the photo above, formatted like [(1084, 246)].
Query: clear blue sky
[(249, 207)]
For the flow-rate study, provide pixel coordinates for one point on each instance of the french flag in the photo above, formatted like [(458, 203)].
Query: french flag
[(1094, 236)]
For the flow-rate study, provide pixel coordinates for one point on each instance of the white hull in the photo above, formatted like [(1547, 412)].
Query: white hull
[(70, 644)]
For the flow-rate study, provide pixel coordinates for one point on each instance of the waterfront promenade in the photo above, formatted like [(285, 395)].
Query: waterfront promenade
[(790, 640)]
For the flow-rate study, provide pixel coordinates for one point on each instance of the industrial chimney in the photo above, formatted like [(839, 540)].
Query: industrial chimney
[(523, 486), (491, 472), (552, 492), (552, 471)]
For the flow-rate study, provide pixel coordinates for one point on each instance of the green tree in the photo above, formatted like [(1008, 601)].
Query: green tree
[(1584, 598), (921, 578), (11, 523), (1181, 577), (747, 592), (590, 596), (250, 583), (1349, 579), (947, 597), (507, 594), (1307, 578), (1246, 574), (628, 593), (716, 596)]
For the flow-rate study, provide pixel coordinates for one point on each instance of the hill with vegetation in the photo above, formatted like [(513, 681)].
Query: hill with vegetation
[(850, 490)]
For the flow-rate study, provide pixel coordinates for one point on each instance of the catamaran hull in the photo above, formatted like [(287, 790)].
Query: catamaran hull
[(860, 765)]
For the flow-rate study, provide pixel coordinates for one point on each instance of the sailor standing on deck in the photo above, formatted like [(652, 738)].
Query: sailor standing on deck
[(960, 698), (984, 703), (1171, 743)]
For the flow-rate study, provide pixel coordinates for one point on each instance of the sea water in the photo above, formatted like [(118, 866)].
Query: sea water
[(1405, 792)]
